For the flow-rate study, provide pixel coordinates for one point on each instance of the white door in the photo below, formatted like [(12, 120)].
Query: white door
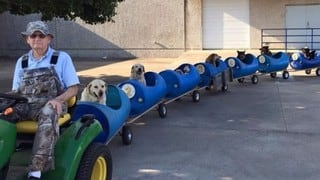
[(225, 24), (306, 16)]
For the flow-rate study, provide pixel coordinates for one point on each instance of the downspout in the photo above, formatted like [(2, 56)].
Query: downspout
[(185, 24)]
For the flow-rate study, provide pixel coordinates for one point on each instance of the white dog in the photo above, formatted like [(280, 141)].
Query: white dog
[(137, 72), (95, 91)]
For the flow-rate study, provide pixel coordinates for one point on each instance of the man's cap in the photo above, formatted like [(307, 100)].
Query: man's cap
[(37, 26)]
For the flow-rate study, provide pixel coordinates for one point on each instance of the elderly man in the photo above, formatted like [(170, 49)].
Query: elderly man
[(48, 79)]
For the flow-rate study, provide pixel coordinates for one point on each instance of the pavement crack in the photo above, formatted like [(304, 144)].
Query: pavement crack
[(281, 106)]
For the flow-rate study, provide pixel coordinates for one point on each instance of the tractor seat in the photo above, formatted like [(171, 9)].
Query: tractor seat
[(31, 126)]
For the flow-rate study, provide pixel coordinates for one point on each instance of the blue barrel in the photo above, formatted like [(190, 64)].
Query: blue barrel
[(142, 97), (111, 116), (276, 62), (241, 68), (208, 71), (298, 61), (181, 80)]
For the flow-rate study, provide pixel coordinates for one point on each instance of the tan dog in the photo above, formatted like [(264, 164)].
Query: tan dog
[(212, 58), (137, 72), (95, 91)]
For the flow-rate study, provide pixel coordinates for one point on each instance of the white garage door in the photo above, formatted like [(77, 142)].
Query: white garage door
[(306, 16), (225, 24)]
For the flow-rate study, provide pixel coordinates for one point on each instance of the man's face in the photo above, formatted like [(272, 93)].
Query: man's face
[(38, 41)]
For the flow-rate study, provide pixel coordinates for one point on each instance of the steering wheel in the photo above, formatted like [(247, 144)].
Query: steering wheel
[(18, 98)]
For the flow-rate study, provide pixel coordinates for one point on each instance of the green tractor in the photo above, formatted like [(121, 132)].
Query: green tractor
[(77, 154)]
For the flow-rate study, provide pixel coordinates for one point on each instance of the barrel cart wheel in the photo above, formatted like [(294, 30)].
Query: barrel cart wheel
[(285, 75), (96, 163), (195, 96), (318, 71), (126, 135), (241, 80), (308, 71), (254, 79), (273, 75), (224, 87), (162, 110)]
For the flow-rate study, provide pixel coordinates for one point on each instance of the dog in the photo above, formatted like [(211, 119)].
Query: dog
[(212, 58), (95, 91), (265, 50), (184, 70), (308, 53), (241, 55), (137, 72)]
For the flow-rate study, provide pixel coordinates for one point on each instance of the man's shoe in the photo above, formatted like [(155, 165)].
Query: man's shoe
[(33, 178)]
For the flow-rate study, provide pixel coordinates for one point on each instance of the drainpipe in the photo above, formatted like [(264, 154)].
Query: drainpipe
[(185, 24)]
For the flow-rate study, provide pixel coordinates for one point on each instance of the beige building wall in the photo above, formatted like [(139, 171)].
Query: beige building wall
[(270, 14), (142, 28)]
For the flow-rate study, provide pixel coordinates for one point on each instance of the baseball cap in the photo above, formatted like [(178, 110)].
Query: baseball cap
[(37, 26)]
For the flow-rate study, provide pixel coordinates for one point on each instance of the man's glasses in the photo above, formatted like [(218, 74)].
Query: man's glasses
[(41, 36)]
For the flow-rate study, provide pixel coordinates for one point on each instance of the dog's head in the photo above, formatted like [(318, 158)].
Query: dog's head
[(265, 50), (241, 55), (186, 69), (308, 53), (97, 88), (212, 58), (137, 70)]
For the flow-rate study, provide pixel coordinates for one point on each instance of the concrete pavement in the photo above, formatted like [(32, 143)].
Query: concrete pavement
[(265, 131)]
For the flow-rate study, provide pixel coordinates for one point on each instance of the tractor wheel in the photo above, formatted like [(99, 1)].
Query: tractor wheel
[(96, 163), (4, 171)]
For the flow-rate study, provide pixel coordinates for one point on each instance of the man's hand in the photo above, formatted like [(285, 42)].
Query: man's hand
[(57, 105)]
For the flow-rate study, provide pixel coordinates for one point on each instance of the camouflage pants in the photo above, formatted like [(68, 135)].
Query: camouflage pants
[(45, 140)]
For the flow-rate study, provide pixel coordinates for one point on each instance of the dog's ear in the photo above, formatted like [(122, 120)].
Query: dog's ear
[(143, 70), (89, 87), (132, 69)]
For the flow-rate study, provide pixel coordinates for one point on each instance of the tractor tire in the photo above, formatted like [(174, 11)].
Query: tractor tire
[(4, 171), (96, 163)]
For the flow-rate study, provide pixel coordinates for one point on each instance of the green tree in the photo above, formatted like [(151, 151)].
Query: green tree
[(90, 11)]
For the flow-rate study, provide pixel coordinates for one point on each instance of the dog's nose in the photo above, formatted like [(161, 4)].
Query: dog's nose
[(100, 93)]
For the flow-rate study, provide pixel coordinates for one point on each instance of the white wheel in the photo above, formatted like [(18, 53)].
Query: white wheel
[(295, 56), (231, 63), (200, 68), (262, 59), (129, 90)]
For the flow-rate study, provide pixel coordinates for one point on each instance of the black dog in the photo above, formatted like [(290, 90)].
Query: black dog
[(241, 55), (308, 53), (265, 50)]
